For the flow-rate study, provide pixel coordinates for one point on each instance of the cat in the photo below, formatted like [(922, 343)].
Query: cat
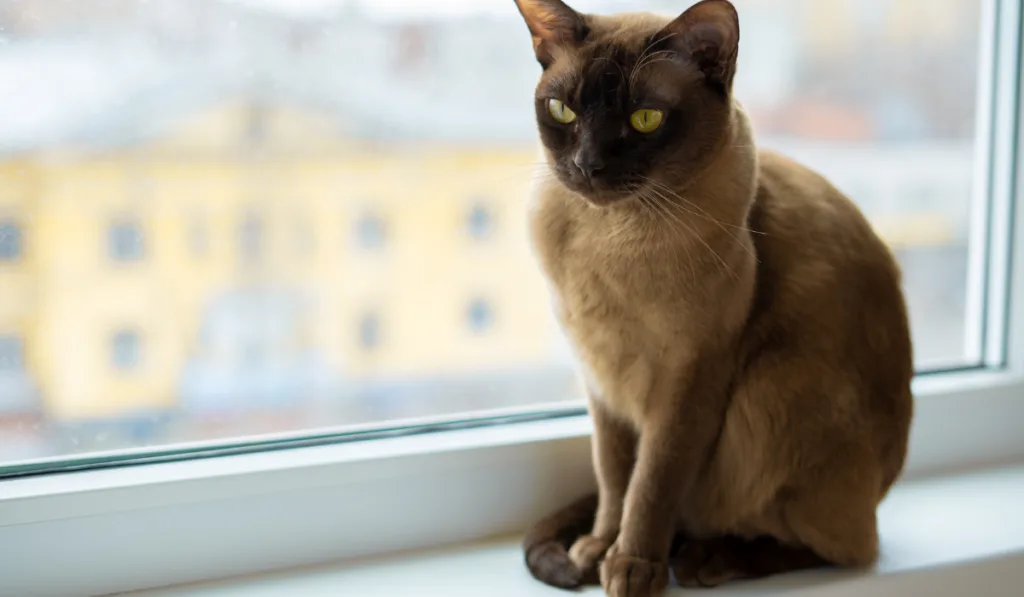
[(740, 328)]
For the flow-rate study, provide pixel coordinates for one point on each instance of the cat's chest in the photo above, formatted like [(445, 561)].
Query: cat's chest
[(621, 320), (594, 283)]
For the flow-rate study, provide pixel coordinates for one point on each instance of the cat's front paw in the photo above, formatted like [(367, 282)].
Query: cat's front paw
[(586, 553), (623, 575)]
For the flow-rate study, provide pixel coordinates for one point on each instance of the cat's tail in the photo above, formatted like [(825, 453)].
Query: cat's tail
[(547, 544)]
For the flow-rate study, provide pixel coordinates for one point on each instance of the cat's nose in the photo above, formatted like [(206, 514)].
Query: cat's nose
[(588, 163)]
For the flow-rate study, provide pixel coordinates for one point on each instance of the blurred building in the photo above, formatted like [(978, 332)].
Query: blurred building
[(251, 255)]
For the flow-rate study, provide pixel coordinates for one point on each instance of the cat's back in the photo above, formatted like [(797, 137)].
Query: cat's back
[(829, 296), (794, 201), (819, 257), (812, 237)]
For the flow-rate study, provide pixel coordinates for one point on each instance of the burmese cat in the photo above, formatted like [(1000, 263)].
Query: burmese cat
[(741, 329)]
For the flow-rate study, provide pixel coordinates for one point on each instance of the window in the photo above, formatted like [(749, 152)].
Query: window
[(369, 331), (479, 316), (12, 357), (125, 349), (250, 238), (371, 231), (125, 242), (480, 221), (909, 112), (10, 241)]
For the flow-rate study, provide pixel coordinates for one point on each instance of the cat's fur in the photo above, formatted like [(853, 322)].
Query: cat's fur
[(741, 329)]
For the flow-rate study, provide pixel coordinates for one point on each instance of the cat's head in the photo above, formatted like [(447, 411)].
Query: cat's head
[(629, 98)]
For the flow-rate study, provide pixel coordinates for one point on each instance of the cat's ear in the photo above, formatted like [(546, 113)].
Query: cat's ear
[(707, 34), (553, 25)]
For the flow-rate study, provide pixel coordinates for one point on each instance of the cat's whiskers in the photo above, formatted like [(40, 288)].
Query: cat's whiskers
[(666, 204), (665, 209), (704, 214), (739, 242), (671, 204), (652, 204)]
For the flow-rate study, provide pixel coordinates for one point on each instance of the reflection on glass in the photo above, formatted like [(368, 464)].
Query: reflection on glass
[(297, 181)]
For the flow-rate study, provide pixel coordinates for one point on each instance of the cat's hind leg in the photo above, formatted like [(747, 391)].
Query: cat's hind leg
[(711, 562), (830, 521)]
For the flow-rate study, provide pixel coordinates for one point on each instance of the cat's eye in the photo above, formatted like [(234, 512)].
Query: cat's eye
[(646, 121), (560, 112)]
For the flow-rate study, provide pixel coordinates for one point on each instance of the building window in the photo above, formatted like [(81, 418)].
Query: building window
[(369, 331), (480, 316), (480, 221), (10, 241), (251, 237), (125, 350), (371, 231), (12, 354), (125, 242)]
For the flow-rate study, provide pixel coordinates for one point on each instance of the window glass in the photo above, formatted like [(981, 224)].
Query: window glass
[(333, 143), (250, 237), (125, 242), (480, 316), (124, 350), (369, 331), (371, 231)]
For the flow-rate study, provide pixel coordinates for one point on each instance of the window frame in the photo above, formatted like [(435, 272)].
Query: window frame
[(199, 519)]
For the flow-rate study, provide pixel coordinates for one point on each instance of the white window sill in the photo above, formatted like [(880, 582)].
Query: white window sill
[(954, 535), (159, 525)]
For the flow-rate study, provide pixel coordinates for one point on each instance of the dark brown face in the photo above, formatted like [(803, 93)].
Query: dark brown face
[(627, 100)]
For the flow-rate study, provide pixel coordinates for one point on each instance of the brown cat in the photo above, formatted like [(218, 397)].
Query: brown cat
[(741, 329)]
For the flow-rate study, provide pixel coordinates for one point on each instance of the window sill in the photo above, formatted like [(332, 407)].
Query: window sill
[(158, 525), (953, 535)]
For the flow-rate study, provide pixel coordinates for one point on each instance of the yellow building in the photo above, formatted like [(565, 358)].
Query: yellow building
[(244, 239), (249, 257)]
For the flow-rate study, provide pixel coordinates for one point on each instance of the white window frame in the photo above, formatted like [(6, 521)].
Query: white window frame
[(119, 529)]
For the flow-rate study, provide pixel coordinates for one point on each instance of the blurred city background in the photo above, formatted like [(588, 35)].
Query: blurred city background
[(226, 218)]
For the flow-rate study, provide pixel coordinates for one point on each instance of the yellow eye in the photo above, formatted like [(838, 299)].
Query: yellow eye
[(646, 121), (560, 111)]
